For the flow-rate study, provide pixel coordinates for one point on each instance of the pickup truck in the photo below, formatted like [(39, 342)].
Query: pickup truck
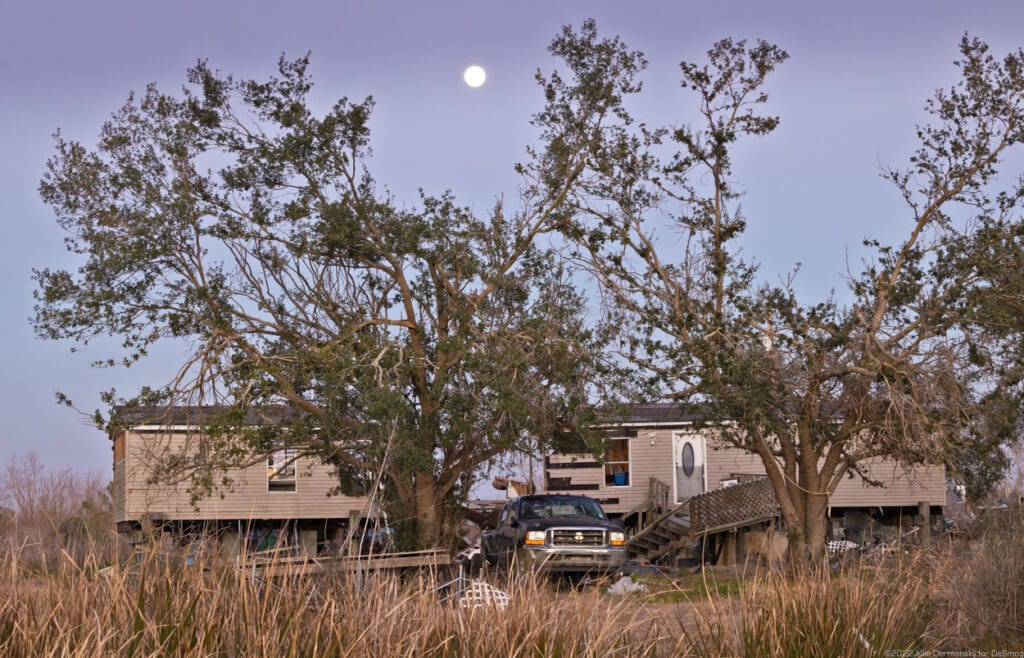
[(555, 533)]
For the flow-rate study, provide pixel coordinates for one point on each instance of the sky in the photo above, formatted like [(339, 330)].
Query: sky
[(849, 99)]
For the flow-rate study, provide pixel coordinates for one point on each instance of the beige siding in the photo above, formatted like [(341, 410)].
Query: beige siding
[(651, 456), (248, 497), (117, 490), (724, 462), (903, 486)]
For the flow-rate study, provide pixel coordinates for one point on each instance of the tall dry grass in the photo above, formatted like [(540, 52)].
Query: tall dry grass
[(60, 598), (980, 585), (953, 597), (160, 609), (862, 612), (935, 600)]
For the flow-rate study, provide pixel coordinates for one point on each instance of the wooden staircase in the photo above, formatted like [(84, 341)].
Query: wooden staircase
[(658, 530), (666, 533), (657, 525)]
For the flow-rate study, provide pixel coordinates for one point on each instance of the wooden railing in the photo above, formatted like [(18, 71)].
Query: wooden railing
[(732, 507), (647, 512)]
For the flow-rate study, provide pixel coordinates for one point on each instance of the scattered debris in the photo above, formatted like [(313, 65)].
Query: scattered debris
[(272, 566), (473, 593), (868, 530), (514, 488), (841, 546), (626, 585)]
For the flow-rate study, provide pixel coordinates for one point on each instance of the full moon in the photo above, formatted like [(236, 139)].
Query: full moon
[(474, 76)]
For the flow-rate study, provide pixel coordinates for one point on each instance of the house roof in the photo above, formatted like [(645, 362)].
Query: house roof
[(655, 413), (658, 413), (194, 415)]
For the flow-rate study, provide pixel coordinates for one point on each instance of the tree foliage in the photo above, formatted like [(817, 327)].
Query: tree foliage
[(418, 342), (921, 364)]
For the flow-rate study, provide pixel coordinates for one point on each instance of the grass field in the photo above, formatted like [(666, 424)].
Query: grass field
[(945, 598)]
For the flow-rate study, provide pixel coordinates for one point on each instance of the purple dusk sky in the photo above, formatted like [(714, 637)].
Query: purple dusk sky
[(849, 98)]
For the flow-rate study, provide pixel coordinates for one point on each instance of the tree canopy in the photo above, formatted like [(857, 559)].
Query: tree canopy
[(921, 365), (422, 341), (414, 342)]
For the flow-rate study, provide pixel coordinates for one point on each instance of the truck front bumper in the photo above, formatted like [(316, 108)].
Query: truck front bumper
[(558, 559)]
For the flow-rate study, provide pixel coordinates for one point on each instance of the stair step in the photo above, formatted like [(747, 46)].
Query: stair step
[(667, 531)]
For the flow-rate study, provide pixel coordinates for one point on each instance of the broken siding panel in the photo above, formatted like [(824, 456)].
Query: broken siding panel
[(247, 498), (650, 456), (572, 473), (575, 460)]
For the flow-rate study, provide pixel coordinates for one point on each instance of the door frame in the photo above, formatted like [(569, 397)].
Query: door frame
[(679, 437)]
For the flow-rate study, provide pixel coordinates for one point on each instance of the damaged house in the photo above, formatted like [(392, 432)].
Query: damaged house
[(658, 460), (284, 499)]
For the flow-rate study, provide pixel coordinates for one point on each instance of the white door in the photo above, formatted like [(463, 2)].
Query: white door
[(688, 457)]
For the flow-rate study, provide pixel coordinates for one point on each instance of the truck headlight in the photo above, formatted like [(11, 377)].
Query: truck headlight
[(617, 538), (534, 537)]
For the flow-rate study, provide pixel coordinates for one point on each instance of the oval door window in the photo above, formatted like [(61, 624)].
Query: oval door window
[(688, 459)]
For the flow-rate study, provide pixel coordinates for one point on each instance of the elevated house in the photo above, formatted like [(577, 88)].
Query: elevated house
[(657, 460), (282, 499)]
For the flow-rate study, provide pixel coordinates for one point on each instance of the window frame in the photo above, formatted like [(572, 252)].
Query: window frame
[(284, 479), (610, 465)]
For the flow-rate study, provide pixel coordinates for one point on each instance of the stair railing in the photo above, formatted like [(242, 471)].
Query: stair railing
[(656, 504)]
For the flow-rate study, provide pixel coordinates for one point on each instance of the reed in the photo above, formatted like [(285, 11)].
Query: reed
[(159, 608)]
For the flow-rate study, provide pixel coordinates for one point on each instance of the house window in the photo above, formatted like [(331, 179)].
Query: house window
[(616, 465), (281, 471)]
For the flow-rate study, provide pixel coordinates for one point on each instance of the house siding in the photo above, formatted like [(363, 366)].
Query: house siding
[(645, 461), (651, 456), (117, 489), (247, 498), (902, 485)]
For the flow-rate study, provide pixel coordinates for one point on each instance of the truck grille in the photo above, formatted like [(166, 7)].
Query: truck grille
[(571, 537)]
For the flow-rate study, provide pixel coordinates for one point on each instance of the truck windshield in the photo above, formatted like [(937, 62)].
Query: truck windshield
[(561, 507)]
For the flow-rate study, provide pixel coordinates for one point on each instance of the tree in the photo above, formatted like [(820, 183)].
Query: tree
[(415, 342), (909, 369), (47, 515)]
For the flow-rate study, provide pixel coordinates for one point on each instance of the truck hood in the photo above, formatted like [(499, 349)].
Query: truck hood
[(569, 522)]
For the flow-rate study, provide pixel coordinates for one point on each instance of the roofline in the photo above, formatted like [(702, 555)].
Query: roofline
[(668, 423), (179, 428), (160, 428), (660, 423)]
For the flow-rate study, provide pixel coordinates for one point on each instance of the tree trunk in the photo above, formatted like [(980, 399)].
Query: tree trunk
[(428, 521), (807, 540)]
